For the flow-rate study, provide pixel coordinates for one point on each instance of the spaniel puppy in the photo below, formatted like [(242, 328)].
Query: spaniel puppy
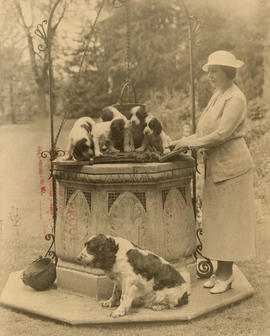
[(156, 140), (80, 145), (138, 275), (109, 134), (117, 134), (110, 113), (138, 116)]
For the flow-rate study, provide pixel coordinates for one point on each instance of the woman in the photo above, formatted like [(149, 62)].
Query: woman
[(228, 199)]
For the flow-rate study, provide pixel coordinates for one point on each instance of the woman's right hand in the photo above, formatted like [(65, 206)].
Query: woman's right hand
[(182, 144)]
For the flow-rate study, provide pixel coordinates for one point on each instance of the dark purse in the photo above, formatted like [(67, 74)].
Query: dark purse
[(41, 273)]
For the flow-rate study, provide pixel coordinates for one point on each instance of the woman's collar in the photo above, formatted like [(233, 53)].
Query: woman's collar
[(227, 93)]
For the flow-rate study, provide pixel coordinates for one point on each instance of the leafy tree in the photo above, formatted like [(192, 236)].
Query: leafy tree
[(154, 59), (223, 27), (16, 83), (156, 34), (84, 91), (39, 64), (159, 55)]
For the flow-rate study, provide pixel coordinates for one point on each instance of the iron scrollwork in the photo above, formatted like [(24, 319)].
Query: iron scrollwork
[(50, 252), (46, 36), (53, 154), (41, 33), (204, 267), (50, 236)]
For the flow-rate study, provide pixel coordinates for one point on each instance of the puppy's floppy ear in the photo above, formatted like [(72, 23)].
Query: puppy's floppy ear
[(141, 113), (79, 148), (106, 243), (106, 114), (117, 125), (101, 238), (156, 126), (87, 126)]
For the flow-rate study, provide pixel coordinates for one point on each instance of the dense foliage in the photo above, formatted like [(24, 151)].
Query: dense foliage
[(159, 55)]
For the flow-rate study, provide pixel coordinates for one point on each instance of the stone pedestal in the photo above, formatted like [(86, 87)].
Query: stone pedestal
[(82, 310), (147, 203)]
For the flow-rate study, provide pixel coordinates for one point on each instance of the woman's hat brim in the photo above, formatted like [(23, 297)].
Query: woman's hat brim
[(237, 64)]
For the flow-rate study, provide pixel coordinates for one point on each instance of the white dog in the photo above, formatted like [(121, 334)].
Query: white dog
[(110, 113), (138, 275), (80, 145), (157, 139), (110, 134)]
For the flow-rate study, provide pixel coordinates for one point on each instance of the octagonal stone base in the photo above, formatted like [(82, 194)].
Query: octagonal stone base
[(94, 283), (78, 310)]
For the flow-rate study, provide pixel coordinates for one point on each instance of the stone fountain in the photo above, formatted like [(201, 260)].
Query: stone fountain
[(147, 203)]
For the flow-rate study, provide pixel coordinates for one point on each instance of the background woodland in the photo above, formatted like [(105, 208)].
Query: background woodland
[(159, 56)]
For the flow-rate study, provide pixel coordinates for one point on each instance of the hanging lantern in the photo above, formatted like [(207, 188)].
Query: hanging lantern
[(125, 107)]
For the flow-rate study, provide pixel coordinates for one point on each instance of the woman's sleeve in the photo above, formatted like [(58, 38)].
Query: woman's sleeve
[(233, 115), (190, 137)]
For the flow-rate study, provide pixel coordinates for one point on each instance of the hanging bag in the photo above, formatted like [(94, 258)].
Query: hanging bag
[(41, 273)]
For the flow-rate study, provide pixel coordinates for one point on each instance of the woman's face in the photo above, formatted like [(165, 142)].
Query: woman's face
[(218, 78)]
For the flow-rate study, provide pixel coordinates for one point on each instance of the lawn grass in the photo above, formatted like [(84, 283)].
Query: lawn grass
[(22, 241)]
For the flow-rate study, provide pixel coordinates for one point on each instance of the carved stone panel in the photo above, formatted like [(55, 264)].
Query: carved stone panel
[(75, 227), (127, 219), (179, 226)]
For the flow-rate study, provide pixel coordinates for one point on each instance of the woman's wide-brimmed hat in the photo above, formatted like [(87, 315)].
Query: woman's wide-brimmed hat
[(222, 57)]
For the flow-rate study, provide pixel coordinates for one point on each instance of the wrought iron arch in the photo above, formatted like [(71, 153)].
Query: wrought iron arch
[(46, 36)]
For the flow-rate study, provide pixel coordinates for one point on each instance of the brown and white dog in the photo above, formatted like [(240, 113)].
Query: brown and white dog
[(109, 134), (80, 145), (156, 140), (138, 275), (137, 118), (123, 142)]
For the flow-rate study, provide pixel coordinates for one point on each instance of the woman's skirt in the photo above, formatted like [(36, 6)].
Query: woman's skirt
[(228, 218)]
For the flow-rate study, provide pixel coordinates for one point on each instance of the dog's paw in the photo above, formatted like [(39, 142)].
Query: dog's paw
[(108, 303), (114, 150), (118, 313), (140, 149), (127, 149), (158, 307), (67, 157), (132, 148), (166, 151), (98, 154)]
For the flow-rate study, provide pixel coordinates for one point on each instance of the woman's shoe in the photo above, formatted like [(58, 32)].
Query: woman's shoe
[(210, 283), (222, 286)]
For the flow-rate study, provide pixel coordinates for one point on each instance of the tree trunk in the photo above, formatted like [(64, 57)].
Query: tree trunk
[(12, 110), (40, 74)]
